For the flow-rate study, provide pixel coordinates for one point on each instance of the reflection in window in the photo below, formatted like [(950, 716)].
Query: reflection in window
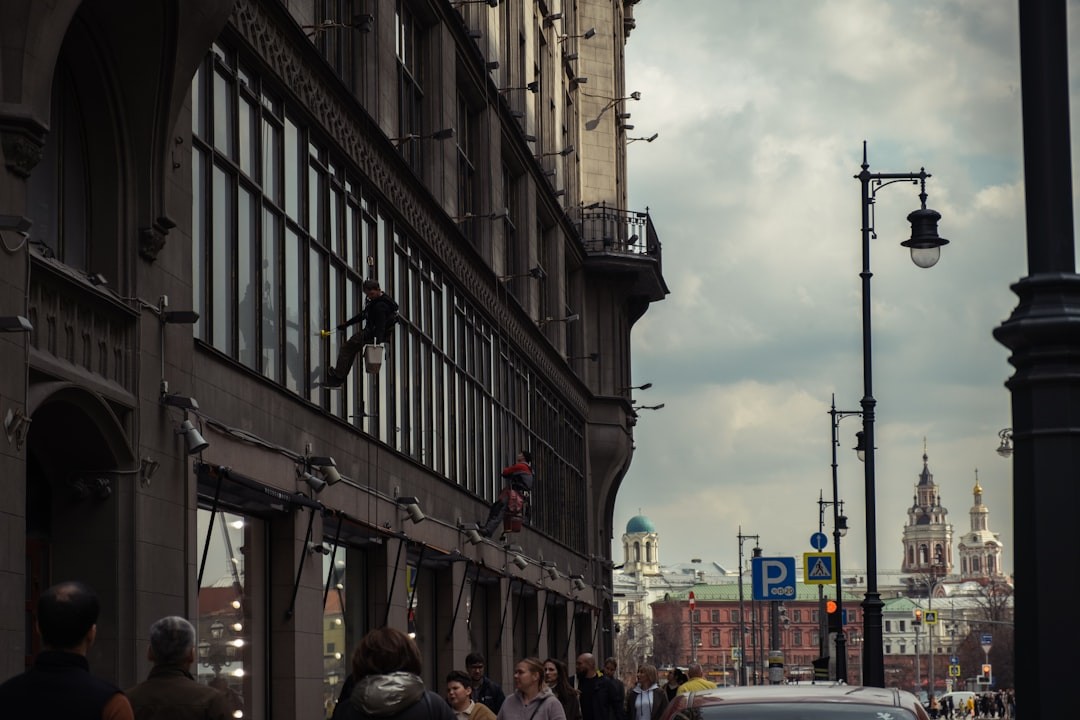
[(336, 659), (230, 640)]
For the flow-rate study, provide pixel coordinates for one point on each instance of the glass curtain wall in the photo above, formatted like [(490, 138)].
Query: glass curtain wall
[(286, 230)]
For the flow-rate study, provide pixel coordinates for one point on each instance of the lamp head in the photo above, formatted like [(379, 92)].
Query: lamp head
[(860, 446), (412, 506), (317, 484), (925, 244), (841, 525), (520, 562)]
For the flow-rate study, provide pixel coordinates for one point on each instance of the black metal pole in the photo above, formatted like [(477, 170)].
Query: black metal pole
[(841, 637), (742, 618), (873, 644), (1043, 334)]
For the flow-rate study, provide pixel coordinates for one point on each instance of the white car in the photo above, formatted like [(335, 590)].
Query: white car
[(959, 698)]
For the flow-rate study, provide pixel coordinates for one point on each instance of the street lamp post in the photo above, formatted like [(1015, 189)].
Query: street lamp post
[(742, 609), (839, 529), (925, 246)]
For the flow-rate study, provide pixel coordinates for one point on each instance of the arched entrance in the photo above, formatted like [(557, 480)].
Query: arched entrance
[(79, 467)]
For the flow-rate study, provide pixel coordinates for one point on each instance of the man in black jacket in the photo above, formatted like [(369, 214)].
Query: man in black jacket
[(379, 316), (601, 699), (60, 685), (485, 690)]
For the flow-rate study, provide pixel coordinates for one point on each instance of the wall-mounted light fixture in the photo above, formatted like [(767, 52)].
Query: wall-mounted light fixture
[(492, 65), (635, 408), (643, 386), (411, 506), (587, 35), (564, 152), (550, 570), (537, 273), (196, 443), (533, 87), (179, 401), (550, 19), (15, 323), (325, 466), (575, 81), (472, 533), (318, 548), (497, 215), (462, 3), (568, 319), (361, 22), (443, 134), (16, 427), (646, 139), (97, 279), (578, 582), (591, 357), (625, 128), (147, 467)]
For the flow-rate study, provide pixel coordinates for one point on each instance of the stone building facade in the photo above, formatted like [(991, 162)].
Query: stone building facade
[(192, 193)]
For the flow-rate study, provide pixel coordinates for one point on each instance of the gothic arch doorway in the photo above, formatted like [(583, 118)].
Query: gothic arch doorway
[(78, 462)]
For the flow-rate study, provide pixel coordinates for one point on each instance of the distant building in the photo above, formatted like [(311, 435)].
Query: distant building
[(980, 548), (641, 581), (927, 536)]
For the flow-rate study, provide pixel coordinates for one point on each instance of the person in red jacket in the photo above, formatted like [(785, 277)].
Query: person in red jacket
[(520, 478)]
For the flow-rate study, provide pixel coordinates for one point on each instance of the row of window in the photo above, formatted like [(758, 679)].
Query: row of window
[(286, 230), (796, 616)]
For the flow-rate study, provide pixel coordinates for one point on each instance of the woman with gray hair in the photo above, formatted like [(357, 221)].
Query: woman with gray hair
[(170, 691)]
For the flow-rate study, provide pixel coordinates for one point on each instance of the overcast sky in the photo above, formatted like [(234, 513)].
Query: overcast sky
[(761, 109)]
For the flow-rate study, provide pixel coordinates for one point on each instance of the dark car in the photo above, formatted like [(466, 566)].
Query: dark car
[(796, 702)]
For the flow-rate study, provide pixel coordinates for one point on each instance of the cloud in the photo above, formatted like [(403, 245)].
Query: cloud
[(762, 109)]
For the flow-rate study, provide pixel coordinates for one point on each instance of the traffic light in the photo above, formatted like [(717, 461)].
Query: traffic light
[(984, 678), (832, 610), (918, 616)]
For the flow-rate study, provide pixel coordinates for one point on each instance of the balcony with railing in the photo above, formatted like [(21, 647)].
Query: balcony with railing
[(624, 241)]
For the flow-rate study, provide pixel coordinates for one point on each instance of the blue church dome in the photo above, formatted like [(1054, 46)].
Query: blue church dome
[(639, 524)]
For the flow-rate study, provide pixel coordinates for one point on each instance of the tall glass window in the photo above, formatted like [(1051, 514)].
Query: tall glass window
[(231, 646), (285, 231)]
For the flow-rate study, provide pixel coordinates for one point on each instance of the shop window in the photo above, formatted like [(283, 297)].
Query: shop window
[(231, 646)]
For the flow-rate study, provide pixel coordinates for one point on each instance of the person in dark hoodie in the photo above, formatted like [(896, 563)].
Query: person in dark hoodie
[(386, 669), (379, 316)]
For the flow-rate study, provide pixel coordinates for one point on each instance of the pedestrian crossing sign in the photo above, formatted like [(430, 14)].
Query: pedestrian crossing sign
[(819, 568), (930, 617), (954, 671)]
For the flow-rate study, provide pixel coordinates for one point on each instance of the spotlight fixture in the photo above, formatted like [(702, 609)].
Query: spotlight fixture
[(181, 401), (317, 484), (492, 65), (97, 279), (591, 357), (648, 407), (15, 323), (443, 134), (175, 317), (520, 562), (550, 569), (411, 506), (362, 22), (625, 128), (587, 35), (318, 548), (326, 466), (472, 533), (560, 192), (195, 441), (528, 137), (646, 139), (1005, 448), (550, 19), (580, 80), (568, 319), (564, 152), (536, 273), (578, 582), (533, 87)]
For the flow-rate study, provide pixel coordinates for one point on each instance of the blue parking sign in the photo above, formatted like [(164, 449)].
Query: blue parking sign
[(773, 578)]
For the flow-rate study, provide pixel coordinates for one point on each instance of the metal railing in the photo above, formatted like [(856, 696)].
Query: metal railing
[(607, 229)]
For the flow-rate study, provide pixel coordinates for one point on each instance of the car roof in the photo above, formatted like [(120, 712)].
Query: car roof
[(833, 693)]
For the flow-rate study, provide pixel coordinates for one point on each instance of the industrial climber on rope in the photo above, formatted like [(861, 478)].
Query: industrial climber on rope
[(379, 316), (512, 498)]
